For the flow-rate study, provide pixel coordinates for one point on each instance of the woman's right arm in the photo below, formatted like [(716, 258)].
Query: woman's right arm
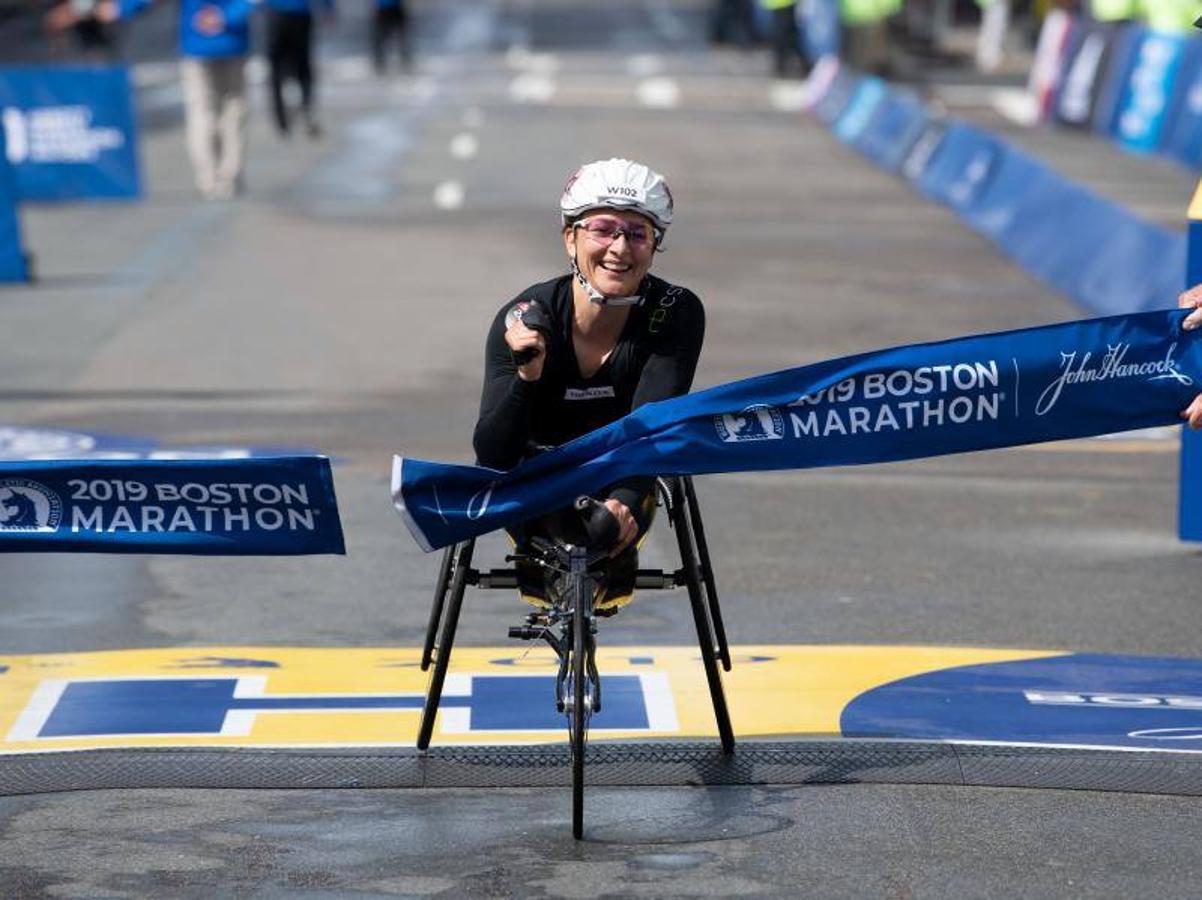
[(507, 400)]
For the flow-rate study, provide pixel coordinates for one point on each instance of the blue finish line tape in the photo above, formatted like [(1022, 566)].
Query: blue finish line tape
[(974, 393)]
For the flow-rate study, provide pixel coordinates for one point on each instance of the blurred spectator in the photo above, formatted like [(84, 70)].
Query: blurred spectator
[(733, 22), (391, 23), (214, 41), (786, 38), (865, 38), (290, 52)]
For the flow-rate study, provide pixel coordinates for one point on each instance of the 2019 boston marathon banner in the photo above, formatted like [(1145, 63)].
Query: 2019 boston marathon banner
[(249, 507), (974, 393)]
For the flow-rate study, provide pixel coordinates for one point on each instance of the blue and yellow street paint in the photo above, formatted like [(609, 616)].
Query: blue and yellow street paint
[(348, 698)]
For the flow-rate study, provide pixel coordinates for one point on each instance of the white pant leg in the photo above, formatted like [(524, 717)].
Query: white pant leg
[(200, 105), (231, 123)]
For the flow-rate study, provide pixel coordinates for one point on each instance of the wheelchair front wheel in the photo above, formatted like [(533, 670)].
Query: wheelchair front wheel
[(581, 696)]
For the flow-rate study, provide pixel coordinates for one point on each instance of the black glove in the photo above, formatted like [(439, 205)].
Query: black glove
[(534, 317)]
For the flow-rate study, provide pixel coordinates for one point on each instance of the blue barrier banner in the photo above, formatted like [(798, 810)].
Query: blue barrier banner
[(899, 121), (1144, 103), (12, 255), (70, 132), (1092, 249), (974, 393), (1189, 513), (1083, 77), (840, 86), (924, 149), (860, 109), (1115, 77), (1183, 129), (276, 507)]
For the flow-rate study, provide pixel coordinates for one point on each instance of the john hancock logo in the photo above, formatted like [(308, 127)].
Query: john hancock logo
[(1112, 366), (755, 423), (28, 506)]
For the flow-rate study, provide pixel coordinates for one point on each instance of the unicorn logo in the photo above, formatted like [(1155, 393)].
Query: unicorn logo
[(755, 423), (28, 506)]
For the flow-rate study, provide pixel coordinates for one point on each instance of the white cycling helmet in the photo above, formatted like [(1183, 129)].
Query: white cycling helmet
[(617, 184)]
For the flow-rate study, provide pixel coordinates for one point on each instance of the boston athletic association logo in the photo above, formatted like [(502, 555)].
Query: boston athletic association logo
[(755, 423), (28, 506)]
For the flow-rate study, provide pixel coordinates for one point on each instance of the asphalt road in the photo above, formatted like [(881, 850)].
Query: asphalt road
[(342, 305)]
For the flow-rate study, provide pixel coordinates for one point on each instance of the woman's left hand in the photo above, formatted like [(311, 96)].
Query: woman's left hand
[(1192, 299), (629, 528)]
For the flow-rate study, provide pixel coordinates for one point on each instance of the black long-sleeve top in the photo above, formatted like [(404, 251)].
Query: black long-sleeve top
[(654, 359)]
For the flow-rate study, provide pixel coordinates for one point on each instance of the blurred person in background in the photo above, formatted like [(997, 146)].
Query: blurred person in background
[(391, 24), (733, 22), (214, 42), (92, 36), (787, 55), (865, 35), (290, 52)]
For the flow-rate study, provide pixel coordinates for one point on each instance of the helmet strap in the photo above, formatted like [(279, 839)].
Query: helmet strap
[(596, 296)]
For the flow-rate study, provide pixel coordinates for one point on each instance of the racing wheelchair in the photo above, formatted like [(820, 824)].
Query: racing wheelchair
[(568, 623)]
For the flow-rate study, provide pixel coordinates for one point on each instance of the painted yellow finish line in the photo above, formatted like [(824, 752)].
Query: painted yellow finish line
[(302, 697)]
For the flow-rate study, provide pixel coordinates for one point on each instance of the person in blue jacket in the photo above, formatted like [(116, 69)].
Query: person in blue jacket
[(290, 51), (214, 42)]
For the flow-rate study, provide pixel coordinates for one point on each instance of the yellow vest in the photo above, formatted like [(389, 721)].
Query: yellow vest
[(776, 4), (1173, 16), (864, 12), (1114, 10)]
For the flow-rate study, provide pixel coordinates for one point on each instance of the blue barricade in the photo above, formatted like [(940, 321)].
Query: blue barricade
[(1115, 78), (860, 109), (261, 507), (1183, 129), (1189, 516), (12, 256), (1143, 106), (1085, 64), (1093, 250), (71, 132), (895, 127), (837, 95)]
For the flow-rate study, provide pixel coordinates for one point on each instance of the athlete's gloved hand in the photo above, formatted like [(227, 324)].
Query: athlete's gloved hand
[(1192, 299), (626, 522), (526, 334)]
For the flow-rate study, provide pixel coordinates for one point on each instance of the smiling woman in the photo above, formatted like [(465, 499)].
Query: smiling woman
[(582, 350)]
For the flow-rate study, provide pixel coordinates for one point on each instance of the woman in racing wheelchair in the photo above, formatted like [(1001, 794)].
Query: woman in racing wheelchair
[(577, 352)]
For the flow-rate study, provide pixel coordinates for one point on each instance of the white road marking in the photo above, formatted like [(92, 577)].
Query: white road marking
[(521, 58), (464, 146), (347, 68), (531, 88), (661, 93), (473, 117), (644, 65), (449, 195)]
